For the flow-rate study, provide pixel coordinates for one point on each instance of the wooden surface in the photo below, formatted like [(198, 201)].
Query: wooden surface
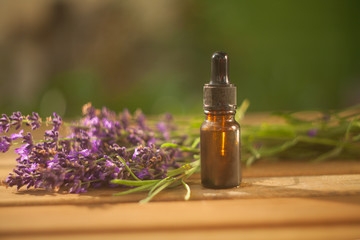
[(277, 201), (281, 200)]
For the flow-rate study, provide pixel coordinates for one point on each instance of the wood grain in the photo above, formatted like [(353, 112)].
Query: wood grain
[(157, 216)]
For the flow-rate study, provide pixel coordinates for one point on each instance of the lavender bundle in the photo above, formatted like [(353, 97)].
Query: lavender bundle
[(102, 149)]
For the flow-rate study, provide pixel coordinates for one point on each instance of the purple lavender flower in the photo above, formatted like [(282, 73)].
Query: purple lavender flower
[(136, 136), (92, 122), (125, 118), (51, 138), (108, 124), (88, 110), (85, 152), (14, 180), (166, 126), (83, 139), (52, 177), (312, 132), (88, 157), (15, 136), (25, 150), (108, 114), (16, 119), (26, 172), (34, 121), (57, 121), (155, 160), (5, 143), (112, 169), (143, 173), (141, 119), (28, 139), (161, 126), (4, 123), (168, 117), (120, 151)]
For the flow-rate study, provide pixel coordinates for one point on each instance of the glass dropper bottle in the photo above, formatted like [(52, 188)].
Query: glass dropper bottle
[(220, 133)]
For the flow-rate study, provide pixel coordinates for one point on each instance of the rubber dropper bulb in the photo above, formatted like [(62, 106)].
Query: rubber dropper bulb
[(219, 68)]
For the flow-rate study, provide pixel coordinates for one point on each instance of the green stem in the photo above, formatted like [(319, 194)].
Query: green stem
[(140, 188), (333, 153), (127, 167), (146, 200), (182, 148), (188, 191), (159, 183), (281, 148), (134, 183), (157, 188)]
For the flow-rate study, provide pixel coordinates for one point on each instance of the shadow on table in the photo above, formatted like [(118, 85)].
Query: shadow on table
[(327, 188)]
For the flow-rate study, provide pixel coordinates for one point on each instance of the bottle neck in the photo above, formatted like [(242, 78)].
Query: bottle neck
[(217, 115)]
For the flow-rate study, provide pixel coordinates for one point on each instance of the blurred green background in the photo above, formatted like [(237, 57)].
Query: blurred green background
[(155, 55)]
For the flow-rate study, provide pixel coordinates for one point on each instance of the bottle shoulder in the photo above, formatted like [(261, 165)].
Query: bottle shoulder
[(223, 126)]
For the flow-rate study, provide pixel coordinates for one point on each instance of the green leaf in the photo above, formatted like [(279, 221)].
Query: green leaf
[(196, 142), (133, 183), (169, 145), (179, 170), (268, 130), (162, 181), (138, 189), (240, 112), (188, 191), (333, 153), (278, 149), (182, 148), (154, 193)]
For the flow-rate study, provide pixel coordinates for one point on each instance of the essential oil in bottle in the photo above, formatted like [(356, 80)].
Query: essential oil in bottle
[(220, 133)]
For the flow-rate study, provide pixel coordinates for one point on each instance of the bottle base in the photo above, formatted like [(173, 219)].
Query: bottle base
[(212, 186)]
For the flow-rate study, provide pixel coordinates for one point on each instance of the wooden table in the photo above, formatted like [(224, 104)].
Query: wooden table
[(281, 200)]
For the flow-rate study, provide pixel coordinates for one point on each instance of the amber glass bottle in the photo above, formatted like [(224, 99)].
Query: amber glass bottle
[(220, 133)]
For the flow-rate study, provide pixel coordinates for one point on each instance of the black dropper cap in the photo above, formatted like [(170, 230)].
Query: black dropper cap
[(219, 94)]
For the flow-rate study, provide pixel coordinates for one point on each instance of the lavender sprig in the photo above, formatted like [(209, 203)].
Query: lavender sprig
[(331, 135), (154, 187), (102, 146)]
